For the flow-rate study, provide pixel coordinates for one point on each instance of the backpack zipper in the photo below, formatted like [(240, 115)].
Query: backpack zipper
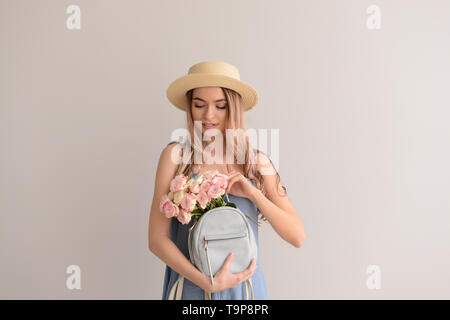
[(209, 263)]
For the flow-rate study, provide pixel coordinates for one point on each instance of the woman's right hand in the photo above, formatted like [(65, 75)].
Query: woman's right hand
[(224, 279)]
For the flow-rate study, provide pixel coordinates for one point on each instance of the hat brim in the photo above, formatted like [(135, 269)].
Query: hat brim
[(176, 92)]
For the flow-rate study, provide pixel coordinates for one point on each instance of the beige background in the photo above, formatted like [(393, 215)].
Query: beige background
[(363, 118)]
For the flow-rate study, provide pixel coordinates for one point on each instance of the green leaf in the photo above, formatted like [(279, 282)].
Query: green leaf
[(231, 204)]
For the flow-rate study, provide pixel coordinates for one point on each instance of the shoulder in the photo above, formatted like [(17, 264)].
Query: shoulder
[(173, 148), (263, 164), (271, 180), (170, 158)]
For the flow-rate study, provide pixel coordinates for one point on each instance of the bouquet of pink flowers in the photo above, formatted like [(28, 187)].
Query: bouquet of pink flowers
[(193, 197)]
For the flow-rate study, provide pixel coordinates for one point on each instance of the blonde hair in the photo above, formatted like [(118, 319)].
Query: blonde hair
[(235, 120)]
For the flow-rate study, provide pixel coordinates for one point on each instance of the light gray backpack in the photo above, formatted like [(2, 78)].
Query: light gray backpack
[(216, 234)]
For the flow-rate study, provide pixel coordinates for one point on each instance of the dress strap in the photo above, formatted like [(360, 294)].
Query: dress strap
[(172, 142)]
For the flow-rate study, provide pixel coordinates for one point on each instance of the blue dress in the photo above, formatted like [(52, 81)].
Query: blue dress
[(179, 235)]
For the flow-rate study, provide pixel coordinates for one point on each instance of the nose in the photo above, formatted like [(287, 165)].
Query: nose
[(210, 113)]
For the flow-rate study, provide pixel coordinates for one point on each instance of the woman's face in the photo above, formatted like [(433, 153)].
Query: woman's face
[(210, 106)]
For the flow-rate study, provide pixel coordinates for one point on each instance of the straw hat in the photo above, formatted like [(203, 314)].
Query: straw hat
[(211, 74)]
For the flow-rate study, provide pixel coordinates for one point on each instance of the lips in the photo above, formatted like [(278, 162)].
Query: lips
[(209, 126)]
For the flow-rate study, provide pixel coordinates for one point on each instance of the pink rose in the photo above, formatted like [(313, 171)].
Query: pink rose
[(204, 187), (215, 191), (210, 174), (170, 209), (164, 199), (178, 197), (184, 216), (189, 201), (178, 183), (203, 199), (195, 188), (221, 181)]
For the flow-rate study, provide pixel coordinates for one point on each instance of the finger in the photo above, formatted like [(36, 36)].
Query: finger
[(241, 277), (233, 174), (249, 271), (230, 183), (227, 190), (227, 262), (249, 274), (252, 265), (238, 176), (243, 274)]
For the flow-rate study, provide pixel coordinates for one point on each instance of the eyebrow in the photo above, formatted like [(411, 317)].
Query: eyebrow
[(197, 98)]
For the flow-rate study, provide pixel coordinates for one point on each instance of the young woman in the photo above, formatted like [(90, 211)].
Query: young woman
[(213, 94)]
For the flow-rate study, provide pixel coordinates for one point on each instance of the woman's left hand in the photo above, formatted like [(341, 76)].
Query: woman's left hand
[(238, 185)]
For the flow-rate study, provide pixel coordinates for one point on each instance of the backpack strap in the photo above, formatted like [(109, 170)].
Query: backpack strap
[(256, 222), (248, 283), (178, 287)]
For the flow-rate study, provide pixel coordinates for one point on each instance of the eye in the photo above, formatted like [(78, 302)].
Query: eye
[(221, 108)]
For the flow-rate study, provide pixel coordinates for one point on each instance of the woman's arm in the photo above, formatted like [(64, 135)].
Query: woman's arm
[(159, 241), (277, 208)]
